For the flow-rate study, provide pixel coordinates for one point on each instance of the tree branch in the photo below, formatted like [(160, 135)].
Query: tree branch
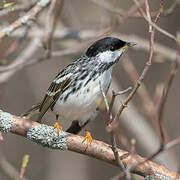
[(47, 136)]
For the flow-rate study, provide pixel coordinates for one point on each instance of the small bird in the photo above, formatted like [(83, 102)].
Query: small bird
[(76, 92)]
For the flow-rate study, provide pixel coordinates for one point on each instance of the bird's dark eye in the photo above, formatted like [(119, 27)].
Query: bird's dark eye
[(112, 48)]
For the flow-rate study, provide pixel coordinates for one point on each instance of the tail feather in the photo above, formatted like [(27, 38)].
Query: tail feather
[(34, 109), (39, 118)]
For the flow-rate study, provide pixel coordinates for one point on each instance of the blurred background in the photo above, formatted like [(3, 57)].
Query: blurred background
[(79, 24)]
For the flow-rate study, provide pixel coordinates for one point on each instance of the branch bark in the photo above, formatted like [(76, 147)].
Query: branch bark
[(47, 136)]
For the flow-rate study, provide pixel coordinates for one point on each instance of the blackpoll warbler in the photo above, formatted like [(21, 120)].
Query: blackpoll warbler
[(75, 93)]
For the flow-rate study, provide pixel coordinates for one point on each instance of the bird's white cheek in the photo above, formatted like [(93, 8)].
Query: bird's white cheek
[(106, 56), (110, 56)]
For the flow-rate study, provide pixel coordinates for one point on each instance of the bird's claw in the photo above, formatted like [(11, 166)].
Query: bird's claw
[(58, 127), (88, 138)]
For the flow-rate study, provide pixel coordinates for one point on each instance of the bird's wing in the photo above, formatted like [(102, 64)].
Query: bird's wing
[(52, 95), (55, 90)]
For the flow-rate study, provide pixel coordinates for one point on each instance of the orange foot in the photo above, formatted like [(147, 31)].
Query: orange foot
[(58, 127), (88, 138)]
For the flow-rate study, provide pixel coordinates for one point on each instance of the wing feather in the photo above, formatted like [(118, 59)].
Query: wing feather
[(52, 95)]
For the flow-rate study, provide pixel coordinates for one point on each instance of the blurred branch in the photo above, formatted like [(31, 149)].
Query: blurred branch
[(106, 5), (47, 136), (154, 24), (167, 11), (132, 12), (14, 46), (21, 7), (149, 107), (30, 16), (172, 143), (171, 9), (162, 104), (23, 167), (123, 13), (66, 34), (115, 94), (9, 169), (9, 70), (165, 92), (6, 72), (83, 35), (56, 5)]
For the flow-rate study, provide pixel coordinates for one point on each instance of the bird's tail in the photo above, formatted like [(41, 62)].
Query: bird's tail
[(34, 110)]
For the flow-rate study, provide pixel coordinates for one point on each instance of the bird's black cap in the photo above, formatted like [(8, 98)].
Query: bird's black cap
[(107, 43)]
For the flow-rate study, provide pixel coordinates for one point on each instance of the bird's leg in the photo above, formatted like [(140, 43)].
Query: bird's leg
[(88, 138), (57, 126)]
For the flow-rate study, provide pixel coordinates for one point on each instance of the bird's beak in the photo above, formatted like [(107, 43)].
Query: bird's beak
[(128, 45)]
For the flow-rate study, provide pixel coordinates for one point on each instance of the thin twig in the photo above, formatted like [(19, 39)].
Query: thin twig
[(23, 167), (164, 98), (148, 105), (123, 140), (113, 140), (153, 24), (114, 94), (8, 169), (145, 70), (115, 151), (104, 98)]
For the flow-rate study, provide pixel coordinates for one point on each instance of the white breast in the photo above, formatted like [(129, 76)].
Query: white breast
[(82, 105)]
